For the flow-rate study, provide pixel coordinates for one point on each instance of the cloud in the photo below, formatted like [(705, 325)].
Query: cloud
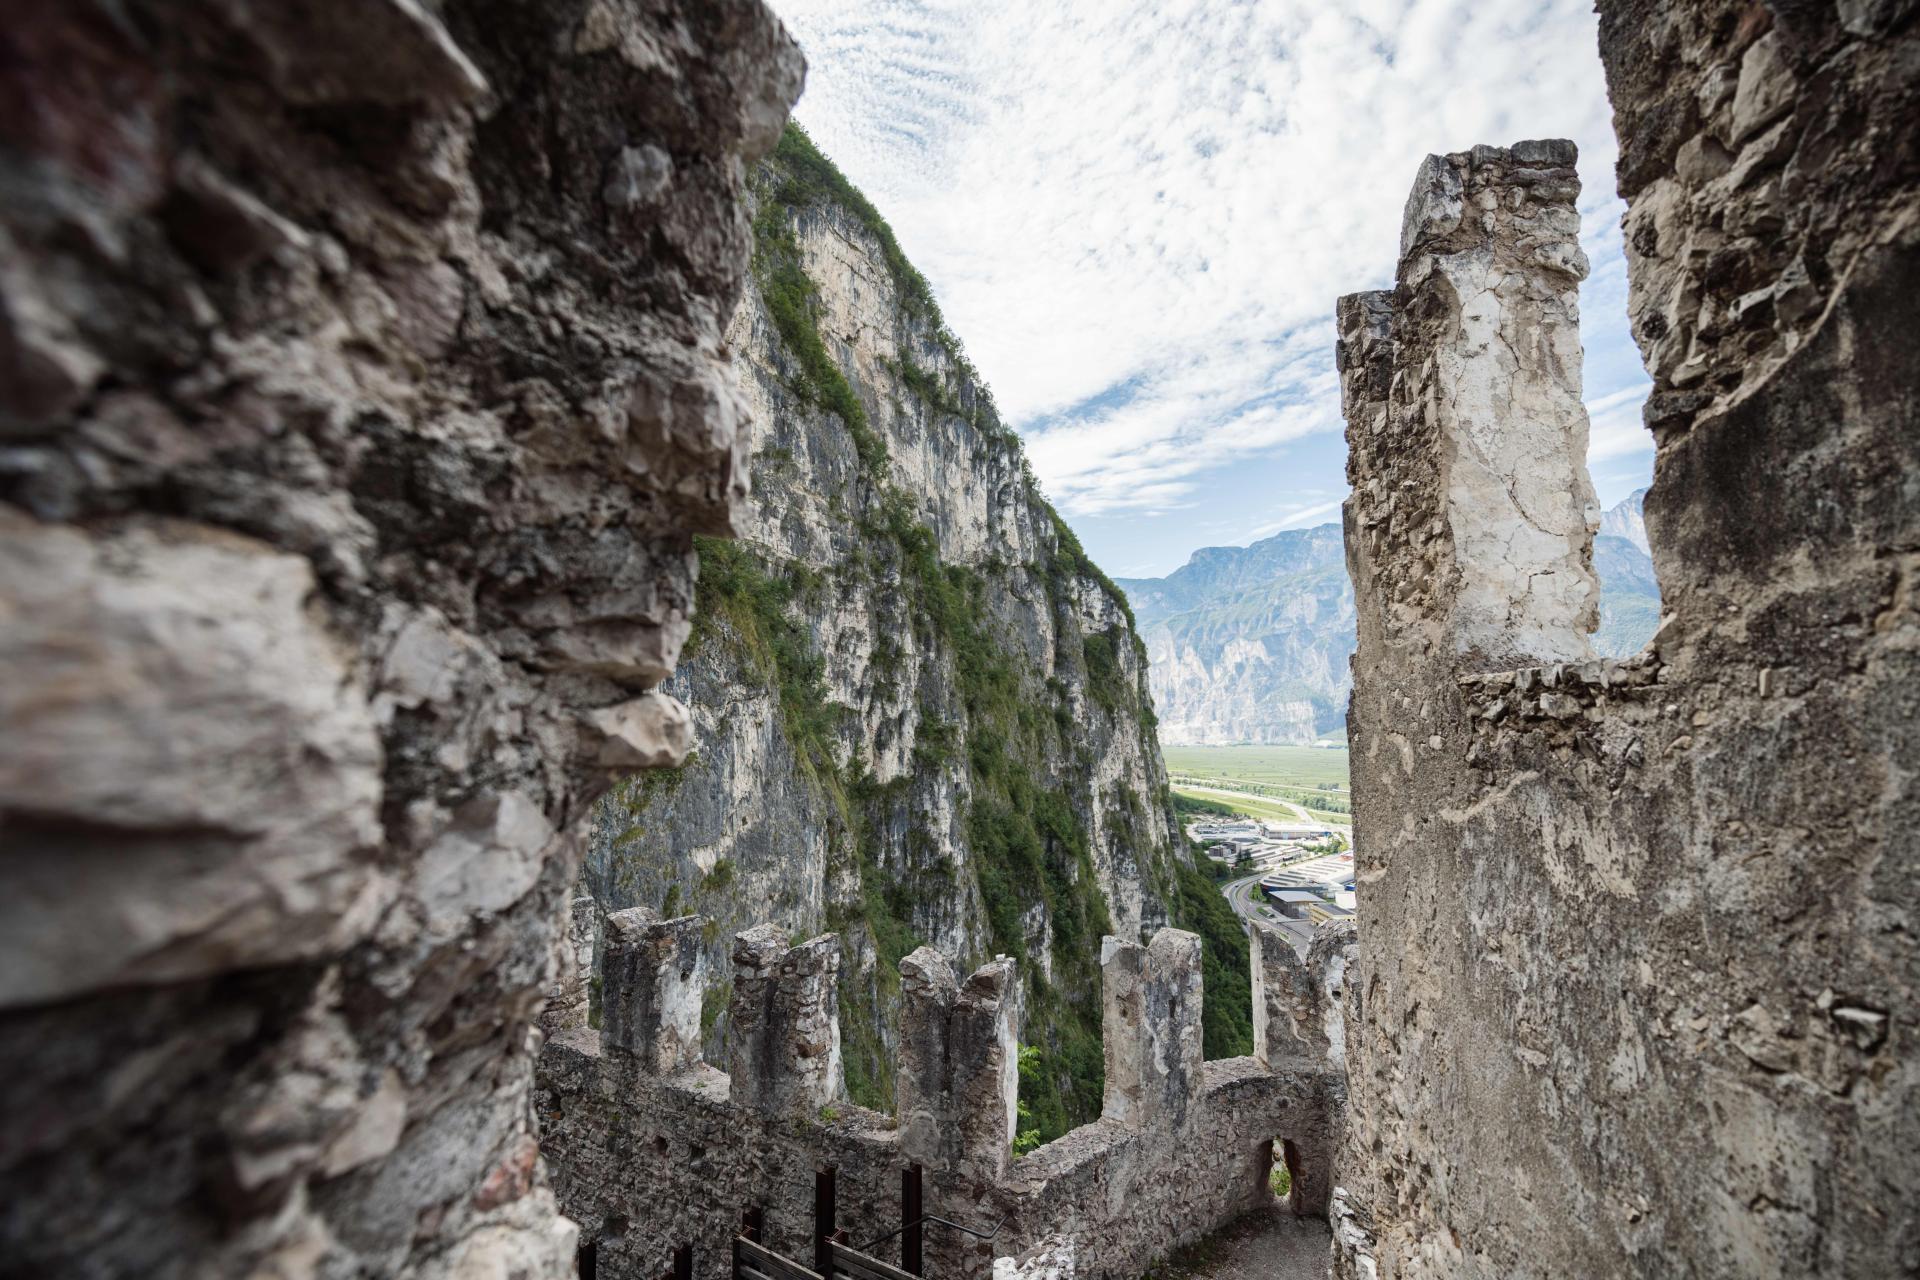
[(1617, 430), (1296, 519), (1137, 214)]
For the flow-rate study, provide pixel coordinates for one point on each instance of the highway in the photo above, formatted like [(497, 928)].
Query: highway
[(1243, 896)]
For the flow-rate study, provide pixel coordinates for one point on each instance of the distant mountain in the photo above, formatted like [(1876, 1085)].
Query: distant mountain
[(1627, 519), (1629, 593), (1250, 644)]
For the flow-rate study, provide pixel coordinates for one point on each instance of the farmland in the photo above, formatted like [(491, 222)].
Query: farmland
[(1312, 777)]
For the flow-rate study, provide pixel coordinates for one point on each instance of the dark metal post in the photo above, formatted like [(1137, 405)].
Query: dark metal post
[(823, 1227), (911, 1229)]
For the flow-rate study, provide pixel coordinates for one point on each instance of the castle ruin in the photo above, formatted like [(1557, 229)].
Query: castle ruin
[(652, 1147), (361, 387), (1634, 991)]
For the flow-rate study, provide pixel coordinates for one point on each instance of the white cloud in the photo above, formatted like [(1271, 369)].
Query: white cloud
[(1137, 213), (1617, 430), (1299, 518)]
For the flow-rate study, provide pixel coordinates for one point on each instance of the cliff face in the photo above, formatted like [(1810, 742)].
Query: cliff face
[(1250, 644), (1627, 519), (1629, 591), (921, 714), (361, 387)]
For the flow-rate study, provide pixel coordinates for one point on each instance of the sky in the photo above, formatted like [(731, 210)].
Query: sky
[(1136, 216)]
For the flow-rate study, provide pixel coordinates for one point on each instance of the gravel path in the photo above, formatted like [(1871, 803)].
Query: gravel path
[(1268, 1244)]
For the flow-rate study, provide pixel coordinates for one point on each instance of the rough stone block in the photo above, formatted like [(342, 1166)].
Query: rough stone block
[(190, 778), (1481, 507), (1151, 1030), (958, 1083), (783, 1037), (651, 986)]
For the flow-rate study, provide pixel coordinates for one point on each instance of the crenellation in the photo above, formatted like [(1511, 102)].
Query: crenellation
[(959, 1078), (652, 980), (1186, 1147), (1484, 351), (573, 999), (1296, 1002), (1151, 1031), (784, 1048)]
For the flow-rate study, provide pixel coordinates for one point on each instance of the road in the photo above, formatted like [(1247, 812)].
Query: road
[(1243, 896)]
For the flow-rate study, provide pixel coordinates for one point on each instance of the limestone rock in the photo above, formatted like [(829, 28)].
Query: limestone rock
[(335, 575), (168, 678)]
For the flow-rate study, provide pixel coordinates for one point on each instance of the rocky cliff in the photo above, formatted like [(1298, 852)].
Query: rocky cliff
[(1629, 590), (1627, 520), (921, 714), (361, 387)]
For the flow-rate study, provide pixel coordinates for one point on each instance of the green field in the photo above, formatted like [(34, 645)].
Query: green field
[(1303, 767), (1313, 777), (1244, 805)]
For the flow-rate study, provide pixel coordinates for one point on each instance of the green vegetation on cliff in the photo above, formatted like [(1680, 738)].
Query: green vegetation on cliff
[(1016, 731), (805, 177), (791, 297), (1225, 967)]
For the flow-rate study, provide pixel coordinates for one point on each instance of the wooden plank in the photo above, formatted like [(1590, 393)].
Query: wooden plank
[(758, 1270), (855, 1265), (772, 1266)]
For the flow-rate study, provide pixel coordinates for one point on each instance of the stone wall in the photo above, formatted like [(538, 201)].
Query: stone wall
[(361, 384), (1634, 989), (649, 1153)]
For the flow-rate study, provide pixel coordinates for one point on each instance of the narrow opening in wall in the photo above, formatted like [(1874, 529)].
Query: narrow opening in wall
[(1619, 446), (589, 1260), (1280, 1171)]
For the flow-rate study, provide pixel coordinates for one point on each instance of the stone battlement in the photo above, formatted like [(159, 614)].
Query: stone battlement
[(651, 1146)]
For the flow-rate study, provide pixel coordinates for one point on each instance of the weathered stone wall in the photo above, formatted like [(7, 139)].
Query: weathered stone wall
[(647, 1160), (361, 384), (1634, 989)]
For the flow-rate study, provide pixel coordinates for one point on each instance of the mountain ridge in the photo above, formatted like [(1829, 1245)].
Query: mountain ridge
[(1251, 644)]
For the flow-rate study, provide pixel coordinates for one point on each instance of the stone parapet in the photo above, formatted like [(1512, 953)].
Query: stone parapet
[(784, 1046), (1646, 915), (959, 1077), (649, 1148), (1471, 363), (651, 988), (1290, 1014), (1151, 1030)]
